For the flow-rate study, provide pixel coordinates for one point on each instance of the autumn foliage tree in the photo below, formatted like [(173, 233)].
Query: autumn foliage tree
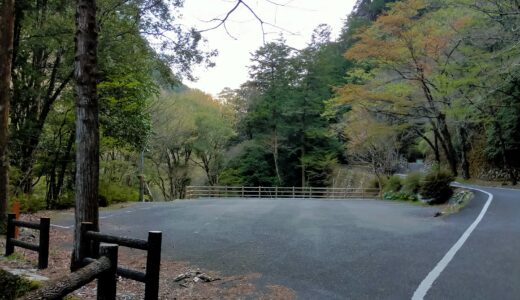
[(402, 70)]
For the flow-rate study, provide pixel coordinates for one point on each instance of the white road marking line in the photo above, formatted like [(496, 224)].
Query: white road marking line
[(107, 216), (427, 283), (64, 227)]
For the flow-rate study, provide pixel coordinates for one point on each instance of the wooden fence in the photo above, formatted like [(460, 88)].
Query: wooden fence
[(279, 192), (89, 249), (103, 268), (42, 248)]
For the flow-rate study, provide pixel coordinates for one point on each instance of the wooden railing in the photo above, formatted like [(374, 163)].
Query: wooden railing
[(103, 268), (90, 240), (42, 248), (279, 192)]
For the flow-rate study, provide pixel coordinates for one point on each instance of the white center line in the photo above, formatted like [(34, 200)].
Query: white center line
[(427, 283), (59, 226)]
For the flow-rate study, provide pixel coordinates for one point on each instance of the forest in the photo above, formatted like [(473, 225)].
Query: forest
[(434, 80)]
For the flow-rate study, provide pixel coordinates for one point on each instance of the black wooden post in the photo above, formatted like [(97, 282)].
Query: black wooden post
[(9, 247), (43, 251), (153, 265), (107, 281), (85, 245)]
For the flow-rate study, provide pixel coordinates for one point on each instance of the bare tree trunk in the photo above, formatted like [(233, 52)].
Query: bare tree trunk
[(451, 154), (87, 123), (275, 155), (6, 52), (464, 152), (505, 160)]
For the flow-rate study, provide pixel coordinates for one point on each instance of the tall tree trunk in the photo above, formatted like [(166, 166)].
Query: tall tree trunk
[(87, 122), (505, 160), (275, 155), (6, 52), (463, 134), (451, 154)]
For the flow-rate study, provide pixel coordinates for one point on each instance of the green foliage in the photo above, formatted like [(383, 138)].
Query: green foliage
[(13, 286), (253, 168), (393, 184), (399, 196), (436, 186), (412, 183), (111, 193), (374, 183)]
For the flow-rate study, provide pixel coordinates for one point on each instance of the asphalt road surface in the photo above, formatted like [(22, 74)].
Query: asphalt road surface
[(351, 249)]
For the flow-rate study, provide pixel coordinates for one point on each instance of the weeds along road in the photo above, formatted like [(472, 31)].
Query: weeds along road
[(335, 249)]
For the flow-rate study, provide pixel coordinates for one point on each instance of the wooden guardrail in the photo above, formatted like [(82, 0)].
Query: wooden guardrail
[(103, 268), (42, 248), (279, 192), (88, 247)]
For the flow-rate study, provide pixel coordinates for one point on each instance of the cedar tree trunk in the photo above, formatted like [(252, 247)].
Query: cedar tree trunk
[(87, 123), (6, 52)]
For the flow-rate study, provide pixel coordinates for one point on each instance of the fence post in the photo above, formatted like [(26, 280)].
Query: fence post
[(9, 247), (43, 251), (107, 281), (153, 265), (293, 192), (276, 192), (259, 191), (85, 245), (242, 191)]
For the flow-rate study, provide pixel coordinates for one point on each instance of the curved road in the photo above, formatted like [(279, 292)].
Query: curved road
[(335, 249)]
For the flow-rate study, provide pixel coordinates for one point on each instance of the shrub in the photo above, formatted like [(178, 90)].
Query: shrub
[(14, 286), (116, 193), (436, 186), (412, 183), (31, 203), (374, 183), (399, 196), (393, 184)]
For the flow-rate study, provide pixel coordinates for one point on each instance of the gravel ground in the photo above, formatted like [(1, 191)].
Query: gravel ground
[(226, 287)]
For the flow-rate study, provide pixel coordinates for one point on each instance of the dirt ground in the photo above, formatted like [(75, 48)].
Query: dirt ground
[(223, 287)]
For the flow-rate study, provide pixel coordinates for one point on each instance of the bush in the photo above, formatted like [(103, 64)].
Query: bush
[(412, 183), (31, 203), (399, 196), (393, 184), (374, 183), (436, 186), (111, 193), (13, 286)]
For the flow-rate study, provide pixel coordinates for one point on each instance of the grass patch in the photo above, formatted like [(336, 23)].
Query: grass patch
[(13, 286)]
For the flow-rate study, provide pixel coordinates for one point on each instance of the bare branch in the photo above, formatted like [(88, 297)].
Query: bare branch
[(222, 21)]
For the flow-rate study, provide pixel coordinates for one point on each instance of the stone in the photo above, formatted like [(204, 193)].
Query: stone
[(181, 277)]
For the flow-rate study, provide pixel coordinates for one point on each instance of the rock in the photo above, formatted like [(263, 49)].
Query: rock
[(437, 214), (183, 285), (181, 277), (207, 278), (196, 279)]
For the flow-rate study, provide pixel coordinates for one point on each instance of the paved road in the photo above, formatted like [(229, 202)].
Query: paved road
[(333, 249)]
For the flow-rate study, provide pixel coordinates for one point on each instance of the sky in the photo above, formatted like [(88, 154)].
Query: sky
[(296, 20)]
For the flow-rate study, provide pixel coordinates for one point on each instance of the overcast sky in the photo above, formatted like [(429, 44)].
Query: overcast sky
[(298, 18)]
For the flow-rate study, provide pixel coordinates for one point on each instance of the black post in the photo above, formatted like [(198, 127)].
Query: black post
[(107, 281), (9, 247), (153, 265), (85, 246), (43, 251)]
